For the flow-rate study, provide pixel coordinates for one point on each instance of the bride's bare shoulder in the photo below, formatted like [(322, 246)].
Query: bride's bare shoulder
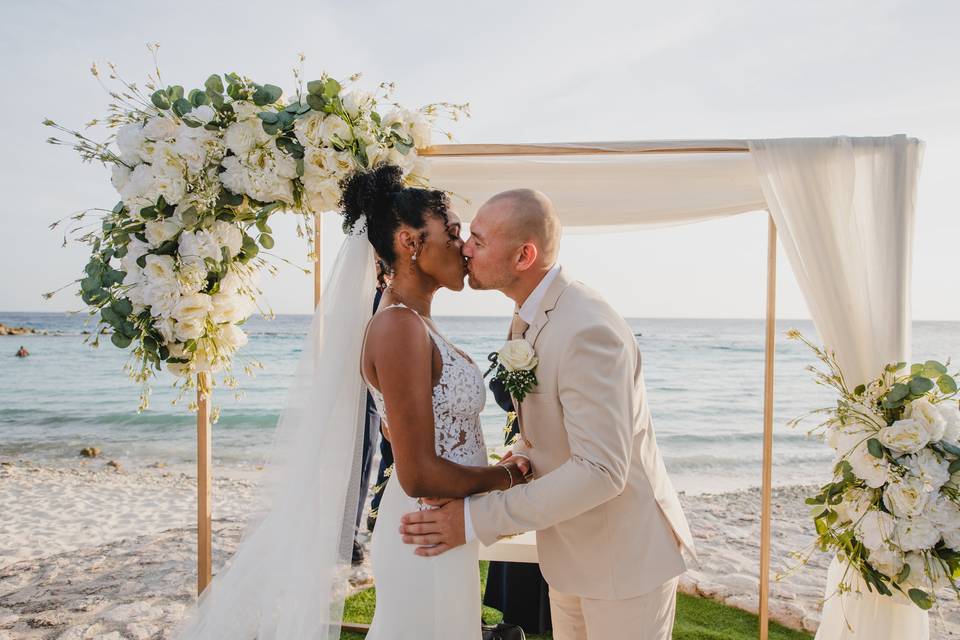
[(397, 329)]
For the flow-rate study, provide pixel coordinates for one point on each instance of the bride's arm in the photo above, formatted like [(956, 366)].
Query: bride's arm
[(401, 354)]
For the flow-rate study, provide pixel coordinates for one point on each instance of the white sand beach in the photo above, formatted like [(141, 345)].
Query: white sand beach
[(90, 551)]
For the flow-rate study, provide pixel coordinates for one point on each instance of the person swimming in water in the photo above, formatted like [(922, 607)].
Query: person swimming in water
[(22, 352)]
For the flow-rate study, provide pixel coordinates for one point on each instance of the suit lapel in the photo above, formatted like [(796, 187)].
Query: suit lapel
[(550, 298)]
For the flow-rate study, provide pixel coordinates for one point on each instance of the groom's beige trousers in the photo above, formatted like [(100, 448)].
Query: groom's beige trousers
[(645, 617)]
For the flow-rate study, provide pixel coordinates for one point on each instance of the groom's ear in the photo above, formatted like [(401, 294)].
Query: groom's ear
[(528, 256)]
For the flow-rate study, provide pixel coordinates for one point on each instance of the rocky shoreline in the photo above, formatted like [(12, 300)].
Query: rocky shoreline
[(6, 330)]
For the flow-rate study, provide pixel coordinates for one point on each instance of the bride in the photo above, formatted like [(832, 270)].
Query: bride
[(430, 394), (289, 576)]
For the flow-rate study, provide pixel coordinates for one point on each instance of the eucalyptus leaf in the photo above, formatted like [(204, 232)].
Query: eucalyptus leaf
[(214, 84), (920, 598), (160, 100), (269, 117), (316, 102), (898, 392), (954, 467), (933, 365), (182, 106), (120, 340), (947, 384), (266, 241), (331, 88), (123, 307), (920, 385), (315, 87), (875, 448)]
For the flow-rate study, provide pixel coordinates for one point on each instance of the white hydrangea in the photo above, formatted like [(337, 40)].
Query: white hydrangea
[(160, 128), (943, 512), (130, 142), (228, 235), (159, 231), (913, 534), (950, 412), (926, 574), (855, 504), (242, 136), (875, 472), (887, 559), (195, 246), (929, 468), (876, 529)]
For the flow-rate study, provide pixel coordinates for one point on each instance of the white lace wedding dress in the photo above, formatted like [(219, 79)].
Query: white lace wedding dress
[(431, 598)]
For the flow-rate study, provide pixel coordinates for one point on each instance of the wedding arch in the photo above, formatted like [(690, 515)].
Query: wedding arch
[(842, 208)]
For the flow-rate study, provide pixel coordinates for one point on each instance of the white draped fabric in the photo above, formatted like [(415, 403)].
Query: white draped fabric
[(610, 191), (844, 210)]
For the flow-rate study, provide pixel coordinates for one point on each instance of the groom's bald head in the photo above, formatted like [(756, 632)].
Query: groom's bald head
[(528, 215), (514, 240)]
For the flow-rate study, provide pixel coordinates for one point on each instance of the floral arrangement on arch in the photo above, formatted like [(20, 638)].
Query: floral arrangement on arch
[(174, 265), (892, 511)]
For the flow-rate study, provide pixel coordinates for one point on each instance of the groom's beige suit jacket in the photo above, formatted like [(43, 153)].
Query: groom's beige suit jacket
[(608, 521)]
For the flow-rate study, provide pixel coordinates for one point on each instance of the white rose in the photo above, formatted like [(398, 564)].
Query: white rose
[(929, 469), (232, 337), (228, 235), (235, 176), (162, 296), (159, 268), (230, 307), (242, 136), (203, 114), (906, 497), (421, 131), (856, 502), (517, 355), (873, 471), (876, 529), (905, 436), (886, 560), (160, 128), (159, 231), (356, 101), (135, 249), (943, 512), (176, 368), (321, 195), (166, 328), (194, 145), (335, 129), (925, 573), (376, 153), (844, 438), (951, 538), (308, 129), (192, 276), (917, 533), (119, 176), (193, 308), (927, 415), (950, 412), (188, 329), (197, 245), (130, 141)]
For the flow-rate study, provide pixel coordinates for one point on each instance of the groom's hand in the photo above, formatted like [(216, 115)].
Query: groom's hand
[(435, 530)]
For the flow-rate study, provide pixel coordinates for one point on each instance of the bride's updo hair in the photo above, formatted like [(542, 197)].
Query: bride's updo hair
[(380, 196)]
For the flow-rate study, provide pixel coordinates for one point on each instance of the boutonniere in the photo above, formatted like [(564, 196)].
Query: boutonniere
[(515, 365)]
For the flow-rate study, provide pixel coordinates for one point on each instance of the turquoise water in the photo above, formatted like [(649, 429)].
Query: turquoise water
[(704, 378)]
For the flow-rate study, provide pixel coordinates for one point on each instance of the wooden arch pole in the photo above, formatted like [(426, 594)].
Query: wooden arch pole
[(766, 485), (204, 465)]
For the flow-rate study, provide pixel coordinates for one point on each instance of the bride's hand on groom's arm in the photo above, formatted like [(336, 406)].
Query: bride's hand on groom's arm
[(521, 462)]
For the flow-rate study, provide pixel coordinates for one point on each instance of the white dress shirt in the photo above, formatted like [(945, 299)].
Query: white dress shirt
[(527, 312)]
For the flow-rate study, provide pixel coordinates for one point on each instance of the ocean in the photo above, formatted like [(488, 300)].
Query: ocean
[(704, 380)]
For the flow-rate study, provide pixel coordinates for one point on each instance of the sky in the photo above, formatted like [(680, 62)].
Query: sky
[(532, 72)]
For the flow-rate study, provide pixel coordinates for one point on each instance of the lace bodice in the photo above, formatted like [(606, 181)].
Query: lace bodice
[(458, 399)]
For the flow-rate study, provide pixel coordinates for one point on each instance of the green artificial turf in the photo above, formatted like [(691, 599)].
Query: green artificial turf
[(697, 619)]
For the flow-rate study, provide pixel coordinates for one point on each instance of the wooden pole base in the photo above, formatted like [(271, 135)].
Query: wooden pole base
[(204, 465)]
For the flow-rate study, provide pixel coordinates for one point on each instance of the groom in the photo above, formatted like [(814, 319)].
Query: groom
[(610, 528)]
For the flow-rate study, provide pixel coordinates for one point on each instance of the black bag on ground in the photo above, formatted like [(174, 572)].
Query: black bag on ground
[(503, 632)]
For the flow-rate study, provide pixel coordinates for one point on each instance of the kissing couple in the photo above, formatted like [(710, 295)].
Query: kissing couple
[(585, 473)]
